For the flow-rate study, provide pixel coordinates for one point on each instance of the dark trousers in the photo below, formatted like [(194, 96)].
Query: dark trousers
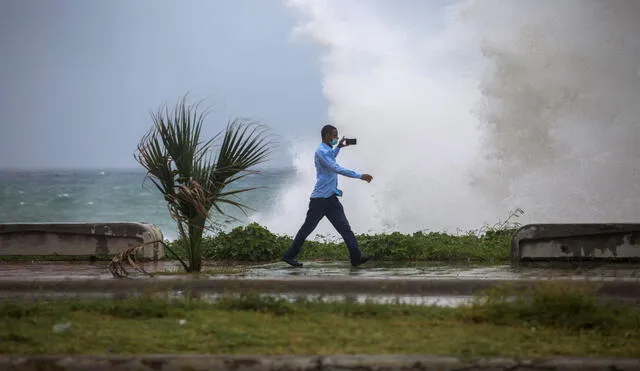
[(333, 210)]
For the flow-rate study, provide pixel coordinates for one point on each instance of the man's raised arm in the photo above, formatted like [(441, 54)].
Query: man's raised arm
[(331, 163)]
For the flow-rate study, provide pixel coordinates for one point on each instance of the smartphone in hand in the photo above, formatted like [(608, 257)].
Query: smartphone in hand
[(351, 142)]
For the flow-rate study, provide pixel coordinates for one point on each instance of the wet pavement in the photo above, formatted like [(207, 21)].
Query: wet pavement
[(364, 362), (421, 283), (426, 270), (36, 271), (438, 300)]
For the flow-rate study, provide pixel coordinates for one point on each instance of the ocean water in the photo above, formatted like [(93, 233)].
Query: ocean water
[(502, 105), (114, 196)]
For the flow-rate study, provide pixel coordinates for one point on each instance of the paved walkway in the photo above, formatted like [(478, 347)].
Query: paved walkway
[(419, 270), (291, 363), (421, 283), (302, 284)]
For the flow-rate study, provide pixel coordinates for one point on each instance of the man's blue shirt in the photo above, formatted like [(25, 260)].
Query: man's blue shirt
[(327, 170)]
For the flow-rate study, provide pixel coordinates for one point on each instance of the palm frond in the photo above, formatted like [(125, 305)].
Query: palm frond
[(191, 178), (245, 144), (117, 264)]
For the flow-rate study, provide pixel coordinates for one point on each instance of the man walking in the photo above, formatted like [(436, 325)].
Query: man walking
[(324, 199)]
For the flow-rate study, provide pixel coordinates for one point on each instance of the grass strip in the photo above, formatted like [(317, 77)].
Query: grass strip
[(551, 319)]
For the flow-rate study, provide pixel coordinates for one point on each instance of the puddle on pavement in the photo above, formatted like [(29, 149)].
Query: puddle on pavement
[(414, 270), (443, 301), (417, 270)]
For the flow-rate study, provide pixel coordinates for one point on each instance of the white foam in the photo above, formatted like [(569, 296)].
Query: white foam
[(510, 104)]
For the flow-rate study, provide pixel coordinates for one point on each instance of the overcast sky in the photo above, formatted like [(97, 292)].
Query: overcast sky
[(79, 78)]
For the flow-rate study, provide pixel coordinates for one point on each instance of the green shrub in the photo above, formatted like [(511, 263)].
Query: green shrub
[(245, 243), (257, 244)]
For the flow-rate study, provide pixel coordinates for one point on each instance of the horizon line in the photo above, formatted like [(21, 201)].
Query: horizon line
[(104, 168)]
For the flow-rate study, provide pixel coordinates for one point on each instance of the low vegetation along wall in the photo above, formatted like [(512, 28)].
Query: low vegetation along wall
[(256, 243), (536, 242)]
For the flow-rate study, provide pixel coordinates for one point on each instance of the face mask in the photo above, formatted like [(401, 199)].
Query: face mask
[(334, 141)]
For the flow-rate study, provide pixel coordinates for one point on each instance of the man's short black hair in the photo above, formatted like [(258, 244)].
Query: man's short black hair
[(326, 130)]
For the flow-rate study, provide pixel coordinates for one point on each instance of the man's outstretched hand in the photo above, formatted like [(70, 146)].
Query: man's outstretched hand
[(366, 177), (342, 143)]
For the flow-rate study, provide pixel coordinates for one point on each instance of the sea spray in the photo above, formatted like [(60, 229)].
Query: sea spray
[(502, 105), (559, 111)]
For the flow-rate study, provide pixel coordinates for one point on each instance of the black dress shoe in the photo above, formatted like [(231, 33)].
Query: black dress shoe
[(363, 260), (293, 262)]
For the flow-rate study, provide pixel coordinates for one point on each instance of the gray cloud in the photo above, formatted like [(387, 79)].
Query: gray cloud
[(79, 78)]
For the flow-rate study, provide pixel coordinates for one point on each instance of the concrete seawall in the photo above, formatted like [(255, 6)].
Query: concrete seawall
[(576, 242), (317, 363), (79, 239)]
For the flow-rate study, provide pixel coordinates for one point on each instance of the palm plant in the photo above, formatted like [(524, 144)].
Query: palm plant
[(191, 177)]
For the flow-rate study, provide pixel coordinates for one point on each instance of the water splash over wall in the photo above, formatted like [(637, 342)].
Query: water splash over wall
[(465, 113)]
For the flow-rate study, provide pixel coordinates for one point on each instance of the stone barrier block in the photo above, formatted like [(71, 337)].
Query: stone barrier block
[(547, 242), (90, 239)]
